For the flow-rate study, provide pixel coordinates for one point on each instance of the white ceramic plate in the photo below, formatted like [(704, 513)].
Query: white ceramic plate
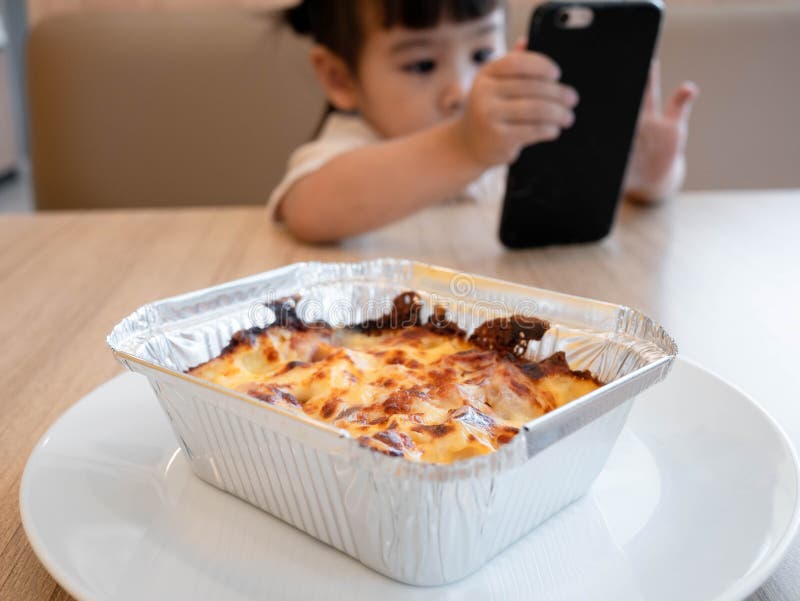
[(699, 500)]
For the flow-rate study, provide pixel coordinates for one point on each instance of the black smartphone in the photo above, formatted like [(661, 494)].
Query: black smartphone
[(567, 190)]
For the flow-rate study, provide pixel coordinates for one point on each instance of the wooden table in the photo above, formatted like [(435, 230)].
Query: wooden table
[(718, 270)]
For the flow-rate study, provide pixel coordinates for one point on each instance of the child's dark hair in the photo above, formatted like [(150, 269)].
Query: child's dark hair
[(339, 24)]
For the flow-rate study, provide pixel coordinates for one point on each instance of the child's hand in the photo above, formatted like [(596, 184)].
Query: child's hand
[(515, 101), (656, 168)]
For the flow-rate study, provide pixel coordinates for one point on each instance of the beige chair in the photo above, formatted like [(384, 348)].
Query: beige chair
[(745, 130), (154, 109), (204, 107)]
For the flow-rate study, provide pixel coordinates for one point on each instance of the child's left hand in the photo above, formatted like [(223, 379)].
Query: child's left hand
[(657, 165)]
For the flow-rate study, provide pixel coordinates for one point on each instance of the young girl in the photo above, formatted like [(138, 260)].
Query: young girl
[(426, 106)]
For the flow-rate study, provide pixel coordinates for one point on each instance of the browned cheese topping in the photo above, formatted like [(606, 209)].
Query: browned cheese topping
[(402, 387)]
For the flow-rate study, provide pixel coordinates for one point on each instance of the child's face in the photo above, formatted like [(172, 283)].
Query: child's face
[(409, 79)]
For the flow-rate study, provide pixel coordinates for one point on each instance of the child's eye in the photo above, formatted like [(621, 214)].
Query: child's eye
[(420, 67), (482, 55)]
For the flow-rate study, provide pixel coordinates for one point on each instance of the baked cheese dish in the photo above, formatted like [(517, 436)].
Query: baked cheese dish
[(401, 386)]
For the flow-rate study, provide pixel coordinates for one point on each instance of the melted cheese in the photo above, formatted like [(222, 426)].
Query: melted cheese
[(413, 392)]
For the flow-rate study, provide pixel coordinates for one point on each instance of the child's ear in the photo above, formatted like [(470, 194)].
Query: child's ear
[(335, 76)]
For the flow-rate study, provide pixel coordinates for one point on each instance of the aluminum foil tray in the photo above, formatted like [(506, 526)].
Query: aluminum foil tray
[(423, 524)]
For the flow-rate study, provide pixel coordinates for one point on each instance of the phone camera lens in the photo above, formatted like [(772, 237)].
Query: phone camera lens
[(563, 17)]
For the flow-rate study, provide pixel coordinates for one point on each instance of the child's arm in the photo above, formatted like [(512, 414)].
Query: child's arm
[(657, 165), (514, 101)]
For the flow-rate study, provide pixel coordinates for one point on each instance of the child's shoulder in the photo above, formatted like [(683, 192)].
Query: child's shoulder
[(340, 133), (346, 127)]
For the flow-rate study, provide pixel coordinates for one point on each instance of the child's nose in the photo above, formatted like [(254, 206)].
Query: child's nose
[(454, 96)]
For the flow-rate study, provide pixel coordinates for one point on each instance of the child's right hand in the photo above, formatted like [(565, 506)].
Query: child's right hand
[(515, 101)]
